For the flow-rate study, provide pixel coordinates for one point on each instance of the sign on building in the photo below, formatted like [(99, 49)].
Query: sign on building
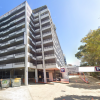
[(62, 70), (97, 68)]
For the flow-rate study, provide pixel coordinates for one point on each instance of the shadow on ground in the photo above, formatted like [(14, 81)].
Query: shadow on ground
[(78, 83), (75, 97)]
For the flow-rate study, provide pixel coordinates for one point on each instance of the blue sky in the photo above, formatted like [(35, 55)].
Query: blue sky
[(73, 20)]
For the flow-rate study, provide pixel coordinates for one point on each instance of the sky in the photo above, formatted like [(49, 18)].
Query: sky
[(73, 20)]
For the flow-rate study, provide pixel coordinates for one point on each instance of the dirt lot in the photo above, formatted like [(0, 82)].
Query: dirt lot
[(75, 90)]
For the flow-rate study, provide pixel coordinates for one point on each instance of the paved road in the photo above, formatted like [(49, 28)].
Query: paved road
[(76, 90)]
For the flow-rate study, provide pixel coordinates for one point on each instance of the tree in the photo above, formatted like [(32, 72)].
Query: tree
[(89, 54)]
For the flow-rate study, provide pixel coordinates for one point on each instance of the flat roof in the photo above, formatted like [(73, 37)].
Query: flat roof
[(37, 9)]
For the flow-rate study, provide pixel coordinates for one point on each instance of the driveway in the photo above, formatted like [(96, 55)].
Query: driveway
[(75, 90)]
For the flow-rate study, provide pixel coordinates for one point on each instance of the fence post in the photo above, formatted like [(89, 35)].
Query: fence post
[(1, 84)]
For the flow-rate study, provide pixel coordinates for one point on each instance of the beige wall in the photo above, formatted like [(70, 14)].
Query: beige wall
[(50, 76)]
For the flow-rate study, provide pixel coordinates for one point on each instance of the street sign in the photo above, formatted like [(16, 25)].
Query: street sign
[(62, 70), (97, 68)]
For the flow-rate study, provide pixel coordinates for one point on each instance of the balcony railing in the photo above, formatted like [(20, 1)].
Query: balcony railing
[(38, 42), (49, 55), (47, 40), (18, 63), (19, 53), (46, 27), (37, 36), (50, 64), (48, 47), (45, 21), (39, 57), (38, 49), (32, 48), (36, 19), (46, 33), (37, 30), (37, 24), (13, 22), (19, 38)]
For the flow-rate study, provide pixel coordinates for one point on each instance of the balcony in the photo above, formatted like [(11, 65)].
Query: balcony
[(37, 36), (47, 34), (45, 10), (20, 31), (36, 14), (47, 41), (38, 43), (37, 30), (46, 21), (19, 19), (32, 48), (31, 40), (20, 55), (19, 64), (36, 19), (43, 16), (20, 46), (20, 24), (7, 66), (1, 58), (30, 55), (20, 12), (2, 51), (12, 34), (39, 57), (37, 24), (46, 27), (10, 49), (19, 38), (51, 65), (12, 28), (1, 66), (10, 56), (38, 49), (13, 21), (3, 44), (6, 31), (31, 34), (39, 66), (50, 56), (48, 48)]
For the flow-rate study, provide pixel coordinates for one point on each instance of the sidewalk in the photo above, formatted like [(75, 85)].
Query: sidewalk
[(75, 90)]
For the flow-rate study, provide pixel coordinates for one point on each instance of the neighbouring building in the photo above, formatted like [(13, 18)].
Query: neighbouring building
[(29, 46), (65, 61)]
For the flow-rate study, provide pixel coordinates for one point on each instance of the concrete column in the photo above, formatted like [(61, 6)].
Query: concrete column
[(45, 81), (42, 50), (36, 75), (26, 46)]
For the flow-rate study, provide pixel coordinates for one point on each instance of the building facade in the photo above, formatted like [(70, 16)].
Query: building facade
[(29, 46)]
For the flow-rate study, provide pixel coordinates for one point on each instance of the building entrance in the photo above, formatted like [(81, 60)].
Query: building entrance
[(31, 75), (40, 76)]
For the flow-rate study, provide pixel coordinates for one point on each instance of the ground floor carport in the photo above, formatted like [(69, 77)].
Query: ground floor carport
[(34, 75)]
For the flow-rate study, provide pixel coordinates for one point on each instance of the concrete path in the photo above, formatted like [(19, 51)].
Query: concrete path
[(76, 90)]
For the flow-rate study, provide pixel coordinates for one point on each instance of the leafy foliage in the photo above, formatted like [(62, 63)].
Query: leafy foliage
[(89, 54)]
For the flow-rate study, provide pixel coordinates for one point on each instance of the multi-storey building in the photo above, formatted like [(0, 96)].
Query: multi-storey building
[(29, 46)]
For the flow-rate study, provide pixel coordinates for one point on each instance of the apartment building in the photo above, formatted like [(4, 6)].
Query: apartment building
[(29, 46)]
